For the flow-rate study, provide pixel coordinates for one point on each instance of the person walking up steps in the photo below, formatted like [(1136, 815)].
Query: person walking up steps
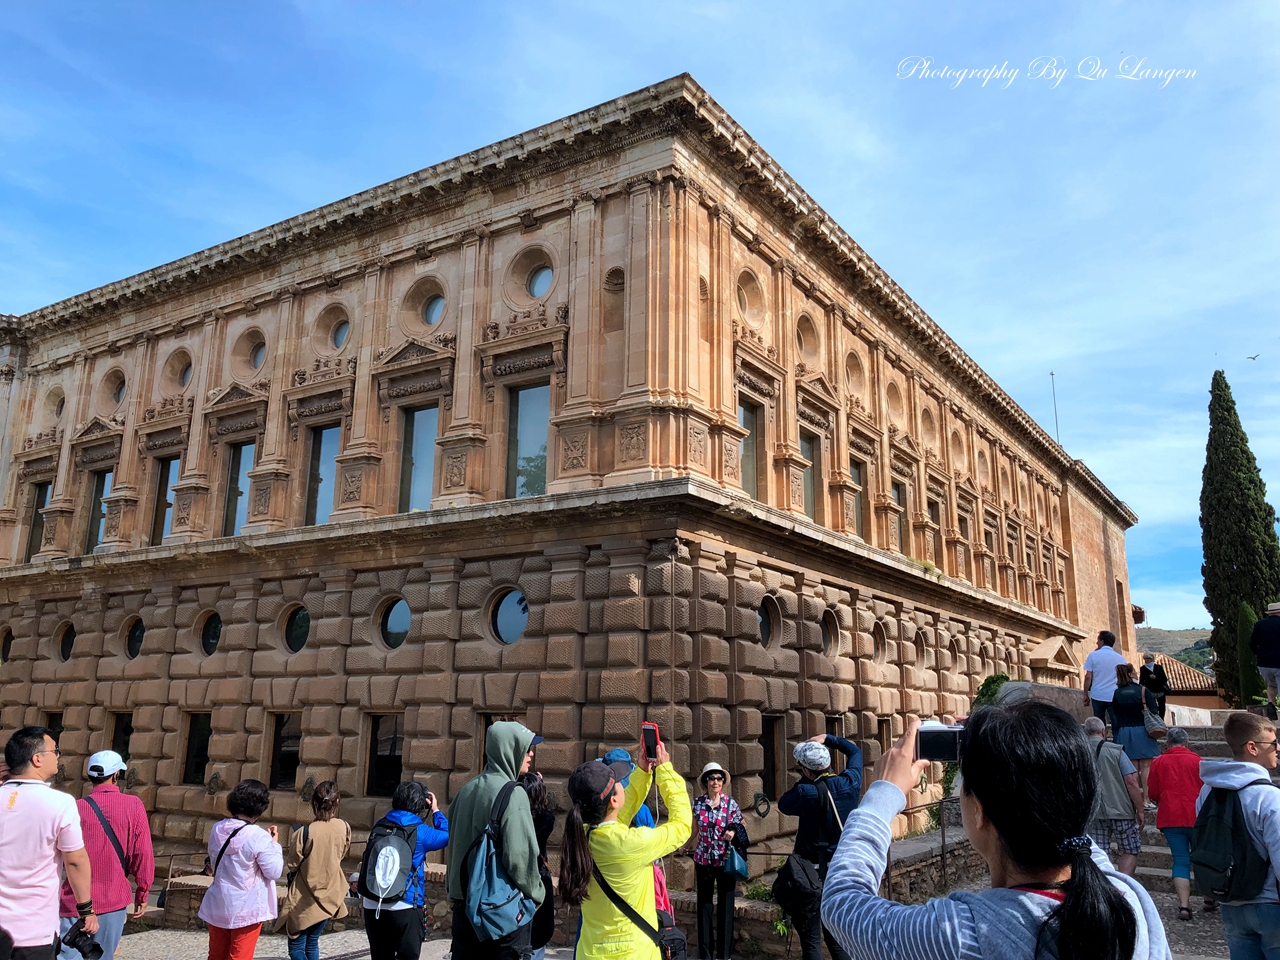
[(1264, 641), (1119, 812), (1100, 676)]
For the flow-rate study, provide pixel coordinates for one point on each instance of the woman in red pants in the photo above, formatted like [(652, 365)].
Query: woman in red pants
[(247, 861)]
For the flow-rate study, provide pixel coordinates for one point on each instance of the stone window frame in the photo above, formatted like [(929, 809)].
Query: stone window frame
[(116, 643), (163, 431), (95, 449), (816, 409), (238, 414), (760, 380), (384, 601)]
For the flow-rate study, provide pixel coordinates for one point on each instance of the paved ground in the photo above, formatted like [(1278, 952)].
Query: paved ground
[(1201, 939)]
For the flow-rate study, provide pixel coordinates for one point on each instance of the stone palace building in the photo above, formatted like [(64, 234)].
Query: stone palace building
[(605, 421)]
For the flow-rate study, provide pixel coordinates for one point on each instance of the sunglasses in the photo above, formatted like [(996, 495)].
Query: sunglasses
[(715, 776), (55, 751)]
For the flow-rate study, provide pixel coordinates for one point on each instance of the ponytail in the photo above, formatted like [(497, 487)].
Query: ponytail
[(576, 865), (1094, 920), (1031, 767)]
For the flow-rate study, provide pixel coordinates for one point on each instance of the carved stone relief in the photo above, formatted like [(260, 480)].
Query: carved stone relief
[(575, 452), (635, 442)]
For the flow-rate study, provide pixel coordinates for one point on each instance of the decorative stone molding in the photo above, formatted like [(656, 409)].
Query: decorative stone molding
[(234, 413), (529, 344), (319, 402), (415, 372)]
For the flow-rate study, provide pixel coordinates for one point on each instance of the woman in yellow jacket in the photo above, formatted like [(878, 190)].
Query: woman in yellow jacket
[(595, 835)]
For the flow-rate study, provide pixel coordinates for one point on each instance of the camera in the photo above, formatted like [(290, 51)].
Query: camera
[(938, 743), (82, 942)]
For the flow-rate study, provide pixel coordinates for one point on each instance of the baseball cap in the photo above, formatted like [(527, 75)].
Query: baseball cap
[(618, 755), (104, 763), (594, 781), (812, 756), (537, 739)]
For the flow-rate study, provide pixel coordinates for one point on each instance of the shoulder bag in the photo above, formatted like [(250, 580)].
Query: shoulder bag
[(670, 940), (111, 835)]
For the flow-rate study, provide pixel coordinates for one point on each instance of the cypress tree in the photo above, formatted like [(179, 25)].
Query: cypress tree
[(1237, 531), (1252, 687)]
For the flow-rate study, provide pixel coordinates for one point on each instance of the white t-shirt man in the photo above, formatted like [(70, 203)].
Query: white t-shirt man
[(37, 825), (1102, 664)]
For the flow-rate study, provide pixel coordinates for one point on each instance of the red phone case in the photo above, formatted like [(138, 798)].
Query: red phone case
[(657, 736)]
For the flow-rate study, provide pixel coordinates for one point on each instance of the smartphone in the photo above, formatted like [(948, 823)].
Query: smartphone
[(649, 734), (938, 743)]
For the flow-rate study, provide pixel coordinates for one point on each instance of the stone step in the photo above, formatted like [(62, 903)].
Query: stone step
[(1154, 856), (1155, 879)]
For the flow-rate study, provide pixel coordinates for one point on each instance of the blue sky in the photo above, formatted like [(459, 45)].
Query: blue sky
[(1123, 234)]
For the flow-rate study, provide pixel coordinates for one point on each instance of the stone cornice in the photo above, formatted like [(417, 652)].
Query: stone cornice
[(646, 113)]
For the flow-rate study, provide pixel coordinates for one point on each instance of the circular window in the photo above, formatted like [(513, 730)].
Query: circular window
[(6, 647), (830, 633), (175, 375), (510, 616), (807, 339), (770, 620), (340, 333), (750, 298), (539, 281), (249, 355), (879, 643), (395, 623), (133, 644), (433, 310), (68, 642), (297, 628), (184, 375), (110, 392), (211, 633), (257, 355), (118, 394), (59, 407)]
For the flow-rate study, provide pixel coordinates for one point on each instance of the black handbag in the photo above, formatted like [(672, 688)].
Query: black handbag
[(671, 942)]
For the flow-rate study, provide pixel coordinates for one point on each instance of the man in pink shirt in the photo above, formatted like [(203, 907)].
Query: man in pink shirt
[(39, 835), (114, 857)]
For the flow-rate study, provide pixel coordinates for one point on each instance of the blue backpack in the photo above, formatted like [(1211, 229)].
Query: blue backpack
[(495, 906)]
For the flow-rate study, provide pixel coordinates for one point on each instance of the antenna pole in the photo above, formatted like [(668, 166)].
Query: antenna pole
[(1054, 386)]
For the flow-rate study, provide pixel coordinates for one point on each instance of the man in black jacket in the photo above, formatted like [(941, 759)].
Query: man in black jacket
[(1265, 644), (822, 800), (1153, 677)]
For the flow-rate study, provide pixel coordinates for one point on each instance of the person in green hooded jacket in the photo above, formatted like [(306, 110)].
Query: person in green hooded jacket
[(508, 751)]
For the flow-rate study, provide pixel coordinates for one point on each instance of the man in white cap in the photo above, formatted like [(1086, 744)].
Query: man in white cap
[(117, 837), (822, 800), (1265, 644)]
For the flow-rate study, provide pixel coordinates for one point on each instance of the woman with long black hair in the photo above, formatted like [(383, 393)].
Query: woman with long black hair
[(1028, 786), (543, 810), (596, 838)]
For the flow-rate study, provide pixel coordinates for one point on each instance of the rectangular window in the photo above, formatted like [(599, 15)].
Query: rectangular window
[(418, 459), (529, 419), (989, 538), (858, 474), (809, 449), (322, 474), (904, 530), (964, 528), (773, 738), (162, 517), (935, 513), (97, 511), (121, 731), (386, 744), (285, 744), (35, 534), (749, 465), (837, 758), (240, 462), (54, 722), (199, 730)]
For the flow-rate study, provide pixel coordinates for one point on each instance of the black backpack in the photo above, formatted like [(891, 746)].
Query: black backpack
[(388, 862), (798, 889), (1226, 864)]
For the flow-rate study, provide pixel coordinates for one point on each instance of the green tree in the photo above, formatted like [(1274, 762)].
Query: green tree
[(1252, 686), (1237, 531)]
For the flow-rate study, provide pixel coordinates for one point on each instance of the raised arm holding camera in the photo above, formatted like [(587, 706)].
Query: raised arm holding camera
[(1028, 787)]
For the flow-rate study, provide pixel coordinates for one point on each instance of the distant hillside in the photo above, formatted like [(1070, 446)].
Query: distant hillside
[(1155, 640), (1198, 655)]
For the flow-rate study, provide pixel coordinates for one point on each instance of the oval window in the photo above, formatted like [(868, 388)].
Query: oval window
[(68, 642), (133, 644), (510, 616), (433, 310), (257, 355), (62, 405), (539, 281), (341, 330), (297, 628), (6, 647), (184, 375), (211, 633), (118, 393), (830, 633), (769, 617), (395, 623)]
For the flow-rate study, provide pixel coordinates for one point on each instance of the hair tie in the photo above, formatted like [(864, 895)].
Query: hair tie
[(1075, 845)]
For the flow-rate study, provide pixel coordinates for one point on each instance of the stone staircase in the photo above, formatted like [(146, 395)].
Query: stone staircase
[(1155, 862)]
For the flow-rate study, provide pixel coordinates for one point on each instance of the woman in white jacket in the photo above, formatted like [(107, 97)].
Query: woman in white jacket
[(247, 861)]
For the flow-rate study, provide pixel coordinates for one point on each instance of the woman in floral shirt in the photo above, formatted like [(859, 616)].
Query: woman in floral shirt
[(716, 820)]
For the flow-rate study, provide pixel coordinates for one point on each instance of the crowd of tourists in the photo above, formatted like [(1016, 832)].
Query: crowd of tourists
[(1042, 798)]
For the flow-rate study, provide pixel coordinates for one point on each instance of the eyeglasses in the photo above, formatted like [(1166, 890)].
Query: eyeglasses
[(1264, 743), (57, 753), (719, 778)]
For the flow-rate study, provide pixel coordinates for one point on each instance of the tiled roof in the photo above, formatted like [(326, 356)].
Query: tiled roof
[(1185, 679)]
